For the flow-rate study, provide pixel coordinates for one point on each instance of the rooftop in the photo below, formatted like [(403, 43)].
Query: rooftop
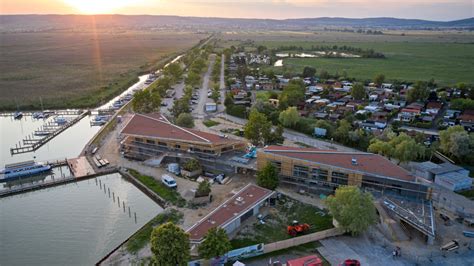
[(366, 162), (230, 210), (157, 126)]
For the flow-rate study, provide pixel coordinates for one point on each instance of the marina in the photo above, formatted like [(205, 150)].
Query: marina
[(75, 223), (47, 131)]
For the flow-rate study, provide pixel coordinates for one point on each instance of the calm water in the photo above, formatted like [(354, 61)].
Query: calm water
[(74, 224)]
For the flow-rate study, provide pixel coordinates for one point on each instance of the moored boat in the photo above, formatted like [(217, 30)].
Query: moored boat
[(17, 115), (23, 169)]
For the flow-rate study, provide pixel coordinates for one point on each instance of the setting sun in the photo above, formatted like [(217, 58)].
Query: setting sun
[(98, 6)]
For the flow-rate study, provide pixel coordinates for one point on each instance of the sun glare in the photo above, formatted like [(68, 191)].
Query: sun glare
[(98, 6)]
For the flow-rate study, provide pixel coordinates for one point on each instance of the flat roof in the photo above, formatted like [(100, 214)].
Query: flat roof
[(247, 198), (366, 162), (157, 126)]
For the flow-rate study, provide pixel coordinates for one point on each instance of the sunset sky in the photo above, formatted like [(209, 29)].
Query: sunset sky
[(279, 9)]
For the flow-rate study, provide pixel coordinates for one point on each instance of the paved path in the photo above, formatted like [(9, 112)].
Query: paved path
[(296, 136), (221, 107), (203, 99)]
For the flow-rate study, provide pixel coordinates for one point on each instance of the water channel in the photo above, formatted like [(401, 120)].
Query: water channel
[(72, 224)]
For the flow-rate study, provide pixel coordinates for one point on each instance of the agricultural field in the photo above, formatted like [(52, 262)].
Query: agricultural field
[(80, 69), (445, 56)]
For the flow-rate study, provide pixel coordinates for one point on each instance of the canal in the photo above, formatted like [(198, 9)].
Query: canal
[(74, 224)]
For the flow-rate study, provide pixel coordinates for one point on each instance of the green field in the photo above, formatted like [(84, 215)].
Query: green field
[(447, 63), (445, 56), (80, 69)]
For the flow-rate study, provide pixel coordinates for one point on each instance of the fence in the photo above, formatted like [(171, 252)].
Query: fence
[(284, 244)]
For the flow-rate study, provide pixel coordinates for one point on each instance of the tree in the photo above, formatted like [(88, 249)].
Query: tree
[(309, 72), (276, 136), (258, 128), (170, 245), (268, 177), (193, 79), (192, 165), (419, 92), (289, 117), (358, 91), (185, 120), (457, 142), (180, 106), (146, 102), (379, 79), (292, 95), (462, 104), (401, 147), (342, 132), (326, 125), (204, 189), (174, 71), (215, 244), (353, 209), (323, 74)]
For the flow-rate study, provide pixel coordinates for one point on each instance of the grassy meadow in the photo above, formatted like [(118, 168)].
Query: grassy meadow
[(414, 55), (80, 69)]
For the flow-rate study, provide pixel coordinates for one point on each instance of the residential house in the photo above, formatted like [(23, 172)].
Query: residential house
[(433, 108), (467, 120)]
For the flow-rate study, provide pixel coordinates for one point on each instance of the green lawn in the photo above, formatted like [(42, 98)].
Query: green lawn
[(447, 63), (166, 193), (210, 123), (142, 237), (274, 229)]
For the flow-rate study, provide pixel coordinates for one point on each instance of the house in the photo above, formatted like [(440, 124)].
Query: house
[(447, 175), (316, 171), (408, 115), (153, 136), (467, 120), (320, 115), (433, 108), (232, 213)]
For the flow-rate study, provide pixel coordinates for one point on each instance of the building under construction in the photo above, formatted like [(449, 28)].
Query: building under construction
[(320, 171)]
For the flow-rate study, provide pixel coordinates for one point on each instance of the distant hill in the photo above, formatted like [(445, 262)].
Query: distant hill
[(58, 22)]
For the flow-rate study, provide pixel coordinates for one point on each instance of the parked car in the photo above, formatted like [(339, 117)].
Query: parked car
[(168, 181)]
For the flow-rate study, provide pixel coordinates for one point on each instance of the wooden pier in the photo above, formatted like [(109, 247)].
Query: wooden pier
[(49, 131), (49, 112)]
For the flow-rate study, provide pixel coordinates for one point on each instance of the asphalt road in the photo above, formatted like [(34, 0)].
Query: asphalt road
[(203, 99)]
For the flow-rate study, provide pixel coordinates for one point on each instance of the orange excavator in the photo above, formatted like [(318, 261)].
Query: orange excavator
[(296, 228)]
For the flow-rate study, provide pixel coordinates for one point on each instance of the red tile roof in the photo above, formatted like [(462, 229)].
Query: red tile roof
[(366, 162), (311, 260), (231, 209), (157, 126)]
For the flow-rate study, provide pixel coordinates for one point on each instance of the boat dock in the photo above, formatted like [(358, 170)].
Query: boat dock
[(49, 112), (47, 132), (80, 169)]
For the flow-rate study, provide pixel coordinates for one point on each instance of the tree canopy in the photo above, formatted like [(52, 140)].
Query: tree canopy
[(180, 106), (309, 72), (358, 91), (379, 79), (419, 92), (401, 147), (268, 177), (185, 120), (289, 117), (146, 102), (292, 94), (170, 245), (458, 143), (353, 209), (215, 244), (204, 189), (258, 128)]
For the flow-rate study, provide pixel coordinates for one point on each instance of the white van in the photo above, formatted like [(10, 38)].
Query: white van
[(168, 181)]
